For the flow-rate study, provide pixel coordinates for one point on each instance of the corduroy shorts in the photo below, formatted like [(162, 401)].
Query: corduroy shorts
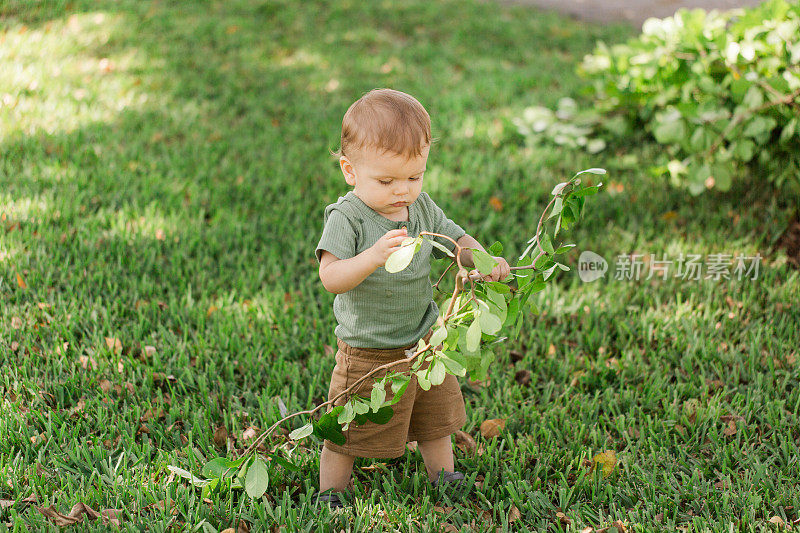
[(420, 415)]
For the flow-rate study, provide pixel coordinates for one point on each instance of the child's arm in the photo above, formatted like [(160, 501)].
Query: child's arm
[(499, 272), (341, 275)]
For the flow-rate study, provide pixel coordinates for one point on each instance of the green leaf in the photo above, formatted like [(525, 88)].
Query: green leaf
[(360, 406), (221, 467), (441, 247), (564, 248), (483, 262), (378, 396), (565, 268), (489, 322), (400, 259), (285, 463), (194, 480), (257, 479), (560, 187), (547, 243), (454, 362), (209, 488), (347, 414), (591, 171), (399, 386), (302, 432), (587, 191), (383, 415), (424, 383), (473, 336), (557, 206), (669, 128), (438, 336), (513, 309), (496, 248), (327, 427), (438, 372), (549, 272), (544, 262)]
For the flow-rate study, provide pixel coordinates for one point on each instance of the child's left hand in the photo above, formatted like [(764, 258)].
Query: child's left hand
[(500, 271)]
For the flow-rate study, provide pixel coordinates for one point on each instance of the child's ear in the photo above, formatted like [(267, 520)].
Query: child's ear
[(347, 170)]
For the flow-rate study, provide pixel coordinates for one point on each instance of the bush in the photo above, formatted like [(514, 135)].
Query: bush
[(721, 91)]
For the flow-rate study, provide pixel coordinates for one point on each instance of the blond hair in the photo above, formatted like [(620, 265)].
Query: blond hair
[(388, 120)]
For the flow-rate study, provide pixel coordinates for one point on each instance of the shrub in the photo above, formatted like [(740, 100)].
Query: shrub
[(721, 91)]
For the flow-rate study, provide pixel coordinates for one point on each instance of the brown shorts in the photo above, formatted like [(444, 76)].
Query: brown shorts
[(420, 415)]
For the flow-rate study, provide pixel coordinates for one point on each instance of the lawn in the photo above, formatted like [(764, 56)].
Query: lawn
[(163, 171)]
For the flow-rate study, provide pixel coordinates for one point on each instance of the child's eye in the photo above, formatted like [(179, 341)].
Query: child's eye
[(384, 182), (413, 179)]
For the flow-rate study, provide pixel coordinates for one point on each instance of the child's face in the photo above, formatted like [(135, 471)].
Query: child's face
[(387, 182)]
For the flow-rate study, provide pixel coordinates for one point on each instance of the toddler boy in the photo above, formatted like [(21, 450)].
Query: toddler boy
[(386, 138)]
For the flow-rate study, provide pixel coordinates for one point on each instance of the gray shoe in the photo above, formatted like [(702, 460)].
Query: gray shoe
[(451, 479), (331, 498)]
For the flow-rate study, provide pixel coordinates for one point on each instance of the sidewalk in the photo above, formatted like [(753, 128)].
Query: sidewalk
[(632, 11)]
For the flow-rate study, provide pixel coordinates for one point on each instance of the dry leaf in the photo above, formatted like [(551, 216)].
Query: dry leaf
[(465, 442), (731, 429), (160, 234), (76, 515), (21, 282), (6, 503), (149, 351), (564, 519), (551, 350), (523, 377), (607, 461), (328, 349), (496, 203), (250, 433), (587, 530), (447, 527), (16, 322), (221, 437), (412, 446), (514, 514), (211, 309), (105, 385), (114, 344), (491, 428)]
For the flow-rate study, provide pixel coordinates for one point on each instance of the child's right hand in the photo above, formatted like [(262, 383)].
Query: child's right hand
[(386, 245)]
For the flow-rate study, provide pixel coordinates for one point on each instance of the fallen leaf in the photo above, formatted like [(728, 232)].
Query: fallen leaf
[(21, 282), (211, 309), (551, 350), (412, 446), (114, 344), (669, 215), (105, 385), (564, 519), (514, 514), (496, 203), (465, 442), (221, 437), (587, 530), (160, 234), (16, 322), (731, 429), (149, 351), (491, 428), (77, 513), (6, 503), (607, 461), (523, 377)]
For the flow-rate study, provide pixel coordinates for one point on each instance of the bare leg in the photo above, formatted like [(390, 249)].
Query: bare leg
[(335, 470), (438, 455)]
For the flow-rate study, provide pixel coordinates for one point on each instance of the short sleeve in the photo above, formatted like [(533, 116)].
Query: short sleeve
[(445, 226), (338, 237)]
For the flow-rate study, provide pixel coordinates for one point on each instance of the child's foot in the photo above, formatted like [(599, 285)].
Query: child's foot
[(329, 497)]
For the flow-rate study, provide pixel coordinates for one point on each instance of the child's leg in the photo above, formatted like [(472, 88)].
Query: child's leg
[(438, 455), (335, 470)]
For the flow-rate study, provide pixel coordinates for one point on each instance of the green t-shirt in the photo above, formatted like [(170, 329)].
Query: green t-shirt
[(385, 310)]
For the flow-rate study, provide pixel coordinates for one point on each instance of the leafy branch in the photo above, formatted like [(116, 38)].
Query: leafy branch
[(454, 347)]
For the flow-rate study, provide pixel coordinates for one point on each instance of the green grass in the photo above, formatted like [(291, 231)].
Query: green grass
[(160, 159)]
